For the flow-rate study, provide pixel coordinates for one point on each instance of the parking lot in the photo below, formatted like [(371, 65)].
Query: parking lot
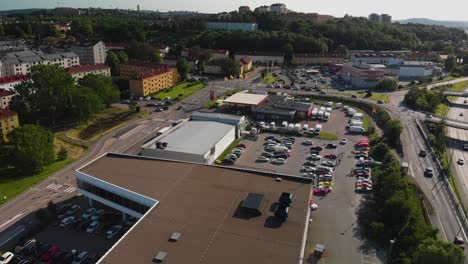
[(90, 232), (334, 222)]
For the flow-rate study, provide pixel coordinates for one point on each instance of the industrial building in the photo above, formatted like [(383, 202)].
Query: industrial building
[(416, 70), (316, 59), (202, 139), (279, 108), (191, 212)]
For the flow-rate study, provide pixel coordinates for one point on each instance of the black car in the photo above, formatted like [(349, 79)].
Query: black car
[(179, 108), (354, 96), (380, 102), (282, 156), (158, 109), (423, 153), (331, 146), (229, 161), (58, 257)]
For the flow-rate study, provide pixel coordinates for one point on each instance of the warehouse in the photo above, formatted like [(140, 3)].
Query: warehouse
[(279, 108), (201, 139), (193, 212)]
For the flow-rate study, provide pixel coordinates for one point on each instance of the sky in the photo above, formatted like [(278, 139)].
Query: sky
[(399, 9)]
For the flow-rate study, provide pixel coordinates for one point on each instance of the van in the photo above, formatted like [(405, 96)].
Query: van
[(297, 127), (356, 123), (358, 116), (272, 125), (291, 127), (356, 129), (314, 113), (326, 116), (284, 124), (320, 114), (318, 129), (305, 127)]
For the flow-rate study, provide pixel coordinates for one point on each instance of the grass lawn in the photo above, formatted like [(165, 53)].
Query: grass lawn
[(460, 86), (226, 152), (104, 122), (442, 110), (181, 91), (210, 104), (268, 79), (326, 136), (376, 97)]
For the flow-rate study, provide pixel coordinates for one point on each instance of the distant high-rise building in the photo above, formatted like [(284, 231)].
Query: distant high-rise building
[(138, 8), (279, 9), (262, 9), (244, 10), (384, 18)]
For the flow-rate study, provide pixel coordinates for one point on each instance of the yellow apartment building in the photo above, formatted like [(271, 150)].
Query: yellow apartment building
[(8, 121), (150, 82)]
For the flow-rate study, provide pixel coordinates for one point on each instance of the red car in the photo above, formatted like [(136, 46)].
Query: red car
[(363, 184), (283, 152), (49, 253), (364, 175), (241, 146), (319, 148), (330, 156), (320, 192)]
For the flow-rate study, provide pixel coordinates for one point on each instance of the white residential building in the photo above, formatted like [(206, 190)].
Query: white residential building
[(20, 63), (279, 9), (79, 72)]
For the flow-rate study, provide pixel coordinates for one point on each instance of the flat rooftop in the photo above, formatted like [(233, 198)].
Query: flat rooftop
[(246, 99), (196, 137), (203, 203)]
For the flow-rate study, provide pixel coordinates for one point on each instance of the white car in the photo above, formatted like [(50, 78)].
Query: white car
[(308, 169), (262, 158), (113, 231), (309, 175), (344, 141), (90, 212), (308, 143), (92, 227), (6, 257), (278, 161), (97, 214), (67, 221), (315, 157), (461, 161)]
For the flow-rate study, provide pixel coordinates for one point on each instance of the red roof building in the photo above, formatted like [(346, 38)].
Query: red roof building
[(9, 82), (81, 71)]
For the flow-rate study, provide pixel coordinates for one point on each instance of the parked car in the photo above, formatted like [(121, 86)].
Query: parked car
[(267, 154), (97, 214), (344, 141), (26, 246), (114, 230), (458, 241), (429, 172), (6, 257), (319, 148), (314, 157), (67, 221), (354, 96), (320, 192), (47, 256), (331, 156), (331, 146), (80, 258), (92, 227), (130, 221), (42, 248), (263, 159), (228, 160), (72, 210), (242, 146), (88, 213), (307, 142), (278, 161)]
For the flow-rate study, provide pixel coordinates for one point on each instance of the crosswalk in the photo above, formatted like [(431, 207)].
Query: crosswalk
[(56, 187)]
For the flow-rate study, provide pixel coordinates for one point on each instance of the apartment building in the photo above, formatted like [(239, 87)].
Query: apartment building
[(9, 82), (79, 72), (279, 9), (20, 63), (132, 69), (383, 18), (5, 98), (8, 121), (152, 81), (88, 52)]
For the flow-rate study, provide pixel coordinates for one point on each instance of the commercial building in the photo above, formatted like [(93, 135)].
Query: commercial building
[(152, 81), (280, 108), (416, 70), (258, 57), (384, 18), (250, 100), (200, 140), (79, 72), (5, 98), (279, 9), (362, 75), (213, 214), (20, 63), (231, 26), (8, 121), (9, 82), (420, 56), (246, 63), (376, 57), (89, 52), (316, 59)]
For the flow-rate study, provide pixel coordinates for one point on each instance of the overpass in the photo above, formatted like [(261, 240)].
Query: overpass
[(455, 93)]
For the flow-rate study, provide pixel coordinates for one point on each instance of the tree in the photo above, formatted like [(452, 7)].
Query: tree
[(434, 251), (2, 30), (123, 57), (450, 50), (230, 67), (62, 154), (103, 87), (342, 49), (31, 148), (46, 96), (182, 68), (450, 63), (156, 57), (112, 60), (392, 131), (387, 84)]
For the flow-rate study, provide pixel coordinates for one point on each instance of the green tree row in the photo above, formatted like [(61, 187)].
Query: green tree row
[(423, 99)]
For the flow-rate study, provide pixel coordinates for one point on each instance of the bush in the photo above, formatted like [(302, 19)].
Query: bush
[(62, 154), (387, 84)]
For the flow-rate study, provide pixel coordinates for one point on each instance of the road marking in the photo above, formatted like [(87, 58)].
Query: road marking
[(70, 190), (54, 186), (11, 220)]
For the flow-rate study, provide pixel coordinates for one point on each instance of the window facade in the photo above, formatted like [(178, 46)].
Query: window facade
[(112, 197)]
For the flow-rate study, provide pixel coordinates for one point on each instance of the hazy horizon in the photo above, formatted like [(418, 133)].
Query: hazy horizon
[(398, 9)]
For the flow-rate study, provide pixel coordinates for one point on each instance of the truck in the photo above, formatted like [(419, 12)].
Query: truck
[(326, 116), (356, 129), (314, 113), (318, 129), (320, 114), (404, 167)]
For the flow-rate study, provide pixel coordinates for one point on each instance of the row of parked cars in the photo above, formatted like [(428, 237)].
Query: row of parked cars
[(362, 170), (235, 154), (276, 151), (32, 251)]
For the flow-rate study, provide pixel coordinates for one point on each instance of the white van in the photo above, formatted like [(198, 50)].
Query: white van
[(326, 116), (320, 114), (305, 127), (356, 129), (318, 129), (291, 127), (297, 127), (284, 124), (314, 113), (272, 125)]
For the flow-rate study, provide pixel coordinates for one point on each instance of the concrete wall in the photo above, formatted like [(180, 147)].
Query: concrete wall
[(222, 145), (415, 72), (173, 155)]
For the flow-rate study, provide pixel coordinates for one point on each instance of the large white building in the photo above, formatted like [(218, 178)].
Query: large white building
[(200, 140), (417, 70), (79, 72), (20, 63)]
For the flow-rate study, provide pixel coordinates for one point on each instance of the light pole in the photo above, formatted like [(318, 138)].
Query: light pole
[(387, 259)]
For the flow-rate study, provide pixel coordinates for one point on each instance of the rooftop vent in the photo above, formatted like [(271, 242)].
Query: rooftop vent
[(175, 236), (160, 257)]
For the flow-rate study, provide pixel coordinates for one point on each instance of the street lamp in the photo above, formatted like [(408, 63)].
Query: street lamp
[(387, 259)]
